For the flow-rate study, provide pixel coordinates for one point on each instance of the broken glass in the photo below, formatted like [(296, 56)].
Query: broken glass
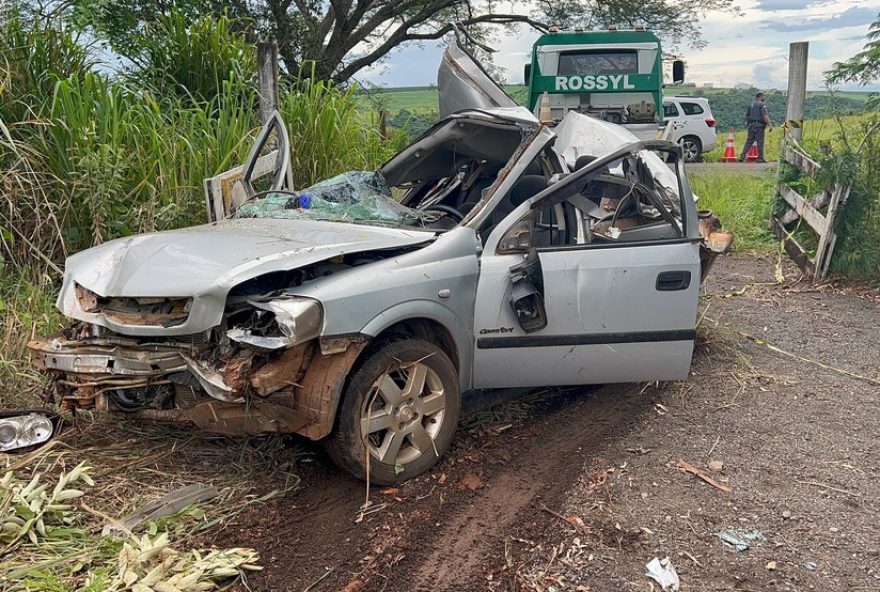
[(355, 196)]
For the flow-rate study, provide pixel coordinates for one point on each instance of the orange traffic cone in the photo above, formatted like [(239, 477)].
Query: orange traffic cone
[(729, 149), (752, 154)]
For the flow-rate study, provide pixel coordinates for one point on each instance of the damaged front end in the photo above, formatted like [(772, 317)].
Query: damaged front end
[(263, 371)]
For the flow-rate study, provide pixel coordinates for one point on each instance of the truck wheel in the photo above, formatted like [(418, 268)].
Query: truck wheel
[(402, 405), (692, 148)]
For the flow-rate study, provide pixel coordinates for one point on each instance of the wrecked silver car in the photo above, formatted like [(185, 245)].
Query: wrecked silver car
[(520, 254)]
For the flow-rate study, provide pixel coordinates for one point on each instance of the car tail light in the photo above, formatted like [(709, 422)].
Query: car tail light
[(710, 122)]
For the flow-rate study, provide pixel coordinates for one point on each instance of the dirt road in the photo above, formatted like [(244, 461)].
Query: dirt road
[(578, 489)]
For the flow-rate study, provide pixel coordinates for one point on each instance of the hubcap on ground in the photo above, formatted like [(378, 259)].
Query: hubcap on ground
[(403, 414)]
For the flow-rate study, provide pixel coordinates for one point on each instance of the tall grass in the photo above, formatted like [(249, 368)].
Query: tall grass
[(742, 202), (190, 59), (815, 130)]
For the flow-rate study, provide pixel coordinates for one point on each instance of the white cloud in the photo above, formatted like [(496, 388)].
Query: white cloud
[(751, 48)]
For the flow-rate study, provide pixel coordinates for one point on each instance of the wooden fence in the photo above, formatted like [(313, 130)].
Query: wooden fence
[(807, 210)]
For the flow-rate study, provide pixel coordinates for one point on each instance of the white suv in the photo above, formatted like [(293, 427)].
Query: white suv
[(693, 125)]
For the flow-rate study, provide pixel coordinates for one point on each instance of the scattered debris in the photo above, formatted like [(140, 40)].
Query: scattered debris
[(841, 371), (470, 482), (639, 450), (811, 565), (830, 487), (692, 558), (152, 564), (689, 468), (771, 566), (167, 505), (740, 540), (786, 515), (33, 511), (574, 521), (663, 573), (716, 466)]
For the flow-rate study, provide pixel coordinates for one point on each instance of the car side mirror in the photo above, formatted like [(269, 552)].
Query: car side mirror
[(527, 73), (518, 237), (677, 72)]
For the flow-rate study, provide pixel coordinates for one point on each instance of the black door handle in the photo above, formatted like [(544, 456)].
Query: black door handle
[(668, 281)]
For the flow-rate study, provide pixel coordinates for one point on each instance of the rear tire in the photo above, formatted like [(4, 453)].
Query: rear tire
[(692, 148), (403, 403)]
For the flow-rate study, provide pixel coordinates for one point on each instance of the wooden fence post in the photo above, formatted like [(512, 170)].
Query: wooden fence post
[(267, 68), (797, 90)]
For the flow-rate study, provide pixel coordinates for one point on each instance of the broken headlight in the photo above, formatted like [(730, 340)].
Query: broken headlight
[(147, 311), (281, 322), (24, 430)]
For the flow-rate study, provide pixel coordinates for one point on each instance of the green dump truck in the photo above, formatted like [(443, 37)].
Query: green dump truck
[(614, 75)]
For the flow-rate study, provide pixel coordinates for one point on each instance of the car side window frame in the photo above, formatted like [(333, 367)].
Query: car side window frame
[(692, 108), (519, 214)]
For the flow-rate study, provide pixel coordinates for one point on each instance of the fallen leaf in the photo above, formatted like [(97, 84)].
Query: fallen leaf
[(470, 481)]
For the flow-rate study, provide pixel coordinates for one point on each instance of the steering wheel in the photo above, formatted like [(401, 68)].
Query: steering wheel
[(449, 210)]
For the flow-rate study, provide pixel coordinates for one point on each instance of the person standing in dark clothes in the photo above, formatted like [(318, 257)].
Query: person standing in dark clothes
[(758, 119)]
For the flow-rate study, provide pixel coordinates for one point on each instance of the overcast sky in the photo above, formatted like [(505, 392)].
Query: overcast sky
[(751, 48)]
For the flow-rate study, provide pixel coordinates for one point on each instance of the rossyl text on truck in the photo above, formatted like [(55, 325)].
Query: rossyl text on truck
[(601, 82), (614, 75)]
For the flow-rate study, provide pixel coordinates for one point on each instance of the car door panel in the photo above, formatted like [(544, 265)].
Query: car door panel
[(616, 312), (607, 321)]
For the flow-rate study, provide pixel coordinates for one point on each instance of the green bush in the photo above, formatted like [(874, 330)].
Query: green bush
[(856, 161)]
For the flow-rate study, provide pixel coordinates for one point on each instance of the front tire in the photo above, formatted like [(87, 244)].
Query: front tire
[(402, 404), (691, 148)]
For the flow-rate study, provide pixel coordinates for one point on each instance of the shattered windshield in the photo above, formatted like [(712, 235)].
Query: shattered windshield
[(355, 196)]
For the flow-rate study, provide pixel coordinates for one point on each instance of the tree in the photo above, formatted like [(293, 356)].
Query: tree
[(864, 67), (342, 37)]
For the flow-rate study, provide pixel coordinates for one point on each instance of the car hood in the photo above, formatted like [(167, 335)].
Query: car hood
[(463, 84), (205, 262)]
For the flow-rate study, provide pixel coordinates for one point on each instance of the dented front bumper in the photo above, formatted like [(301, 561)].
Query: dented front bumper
[(219, 389)]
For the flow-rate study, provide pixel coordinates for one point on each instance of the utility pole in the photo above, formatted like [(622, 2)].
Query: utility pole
[(267, 69), (797, 90)]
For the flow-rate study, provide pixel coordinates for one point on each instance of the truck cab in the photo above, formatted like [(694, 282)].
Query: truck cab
[(614, 75)]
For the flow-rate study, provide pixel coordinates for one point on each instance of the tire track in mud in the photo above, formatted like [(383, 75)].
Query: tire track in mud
[(470, 541), (436, 536)]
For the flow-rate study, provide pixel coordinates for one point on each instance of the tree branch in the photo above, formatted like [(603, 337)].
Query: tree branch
[(402, 35)]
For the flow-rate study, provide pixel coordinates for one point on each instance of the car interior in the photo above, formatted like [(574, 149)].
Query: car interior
[(448, 169)]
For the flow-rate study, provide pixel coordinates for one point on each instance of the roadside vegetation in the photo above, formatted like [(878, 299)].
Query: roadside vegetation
[(741, 202), (86, 157)]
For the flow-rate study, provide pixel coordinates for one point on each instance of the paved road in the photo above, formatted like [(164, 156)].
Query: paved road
[(740, 168)]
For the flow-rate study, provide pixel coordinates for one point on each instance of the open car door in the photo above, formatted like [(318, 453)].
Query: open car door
[(267, 168), (594, 279)]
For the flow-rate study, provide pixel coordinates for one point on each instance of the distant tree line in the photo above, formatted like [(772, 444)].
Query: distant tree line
[(729, 106)]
